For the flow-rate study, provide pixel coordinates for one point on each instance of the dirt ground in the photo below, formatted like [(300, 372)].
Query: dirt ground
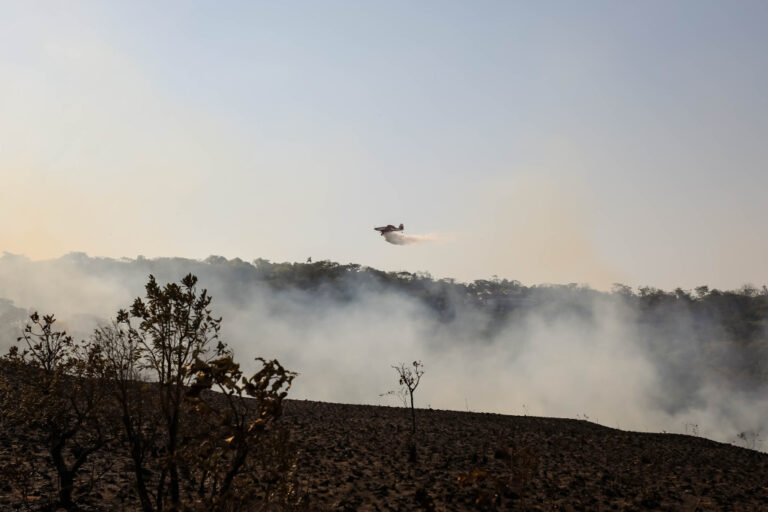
[(355, 457)]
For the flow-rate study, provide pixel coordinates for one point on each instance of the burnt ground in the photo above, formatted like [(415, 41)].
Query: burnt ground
[(357, 457)]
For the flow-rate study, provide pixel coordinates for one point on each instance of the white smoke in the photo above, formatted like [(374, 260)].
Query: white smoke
[(581, 357), (396, 238)]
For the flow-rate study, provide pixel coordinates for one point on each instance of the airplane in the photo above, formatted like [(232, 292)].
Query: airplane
[(388, 229)]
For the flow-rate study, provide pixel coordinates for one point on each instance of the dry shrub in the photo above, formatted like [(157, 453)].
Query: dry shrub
[(52, 399), (239, 456)]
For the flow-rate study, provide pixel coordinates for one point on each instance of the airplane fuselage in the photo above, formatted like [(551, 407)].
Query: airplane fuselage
[(388, 229)]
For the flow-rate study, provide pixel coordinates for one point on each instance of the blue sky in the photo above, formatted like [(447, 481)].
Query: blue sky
[(583, 142)]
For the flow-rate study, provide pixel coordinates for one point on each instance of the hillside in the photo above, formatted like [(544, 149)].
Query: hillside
[(355, 457)]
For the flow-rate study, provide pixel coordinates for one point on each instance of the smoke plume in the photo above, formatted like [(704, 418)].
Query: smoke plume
[(562, 351)]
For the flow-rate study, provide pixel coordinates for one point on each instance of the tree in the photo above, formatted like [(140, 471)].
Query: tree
[(161, 337), (701, 291), (55, 395), (410, 378), (134, 403), (162, 357), (622, 290)]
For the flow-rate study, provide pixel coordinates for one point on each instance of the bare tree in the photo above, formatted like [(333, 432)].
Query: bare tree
[(410, 378)]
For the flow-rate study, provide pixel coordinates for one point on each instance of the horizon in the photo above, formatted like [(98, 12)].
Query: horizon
[(254, 261)]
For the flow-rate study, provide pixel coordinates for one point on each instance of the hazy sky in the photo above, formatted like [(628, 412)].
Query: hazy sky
[(542, 141)]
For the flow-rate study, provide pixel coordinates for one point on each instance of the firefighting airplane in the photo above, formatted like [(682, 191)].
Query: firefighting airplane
[(388, 229)]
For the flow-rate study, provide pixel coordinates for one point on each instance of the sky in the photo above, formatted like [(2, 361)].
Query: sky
[(549, 142)]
